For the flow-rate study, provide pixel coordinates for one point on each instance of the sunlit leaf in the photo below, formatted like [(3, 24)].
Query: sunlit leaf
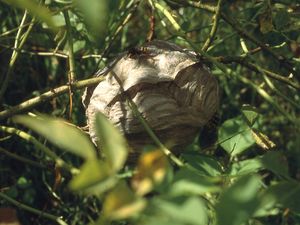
[(122, 203), (187, 182), (95, 177), (262, 140), (112, 143), (42, 13), (61, 133), (235, 136), (152, 168), (239, 202)]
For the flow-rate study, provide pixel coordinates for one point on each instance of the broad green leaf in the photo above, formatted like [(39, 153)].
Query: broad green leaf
[(235, 136), (61, 133), (286, 193), (239, 202), (112, 143), (42, 13), (187, 182), (205, 165), (250, 114), (277, 163), (95, 177), (181, 210), (121, 203), (246, 167), (273, 161), (282, 19)]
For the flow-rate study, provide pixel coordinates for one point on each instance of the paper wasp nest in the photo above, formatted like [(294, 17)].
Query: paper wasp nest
[(172, 90)]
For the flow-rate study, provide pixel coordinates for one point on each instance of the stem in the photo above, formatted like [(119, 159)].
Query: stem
[(242, 61), (71, 73), (15, 54), (22, 159), (60, 162), (47, 96), (32, 210), (213, 31), (236, 26)]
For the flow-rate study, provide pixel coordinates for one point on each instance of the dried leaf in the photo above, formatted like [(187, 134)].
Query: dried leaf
[(262, 140), (121, 203), (151, 170)]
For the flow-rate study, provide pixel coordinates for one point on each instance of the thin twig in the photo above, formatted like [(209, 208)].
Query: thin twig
[(22, 159), (71, 60), (29, 104), (32, 210), (236, 26), (242, 61), (118, 30), (18, 45), (214, 28)]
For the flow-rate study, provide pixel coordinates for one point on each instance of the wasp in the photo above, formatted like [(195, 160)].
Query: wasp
[(137, 51)]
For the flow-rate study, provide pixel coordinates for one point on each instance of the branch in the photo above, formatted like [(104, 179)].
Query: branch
[(235, 25), (213, 31), (22, 159), (253, 67), (32, 210), (19, 43), (29, 104)]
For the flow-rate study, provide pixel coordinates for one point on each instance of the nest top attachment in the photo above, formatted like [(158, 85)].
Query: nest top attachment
[(172, 90)]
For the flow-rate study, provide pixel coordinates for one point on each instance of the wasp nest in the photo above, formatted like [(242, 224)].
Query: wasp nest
[(172, 90)]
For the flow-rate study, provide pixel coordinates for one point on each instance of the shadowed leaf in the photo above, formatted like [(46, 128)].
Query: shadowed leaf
[(239, 202), (61, 133)]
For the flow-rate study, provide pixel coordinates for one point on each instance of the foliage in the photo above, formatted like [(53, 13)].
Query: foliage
[(52, 173)]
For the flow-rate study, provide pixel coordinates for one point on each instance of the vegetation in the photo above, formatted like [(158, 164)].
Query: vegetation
[(246, 174)]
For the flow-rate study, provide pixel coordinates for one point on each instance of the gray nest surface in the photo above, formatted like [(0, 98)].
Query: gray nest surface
[(172, 89)]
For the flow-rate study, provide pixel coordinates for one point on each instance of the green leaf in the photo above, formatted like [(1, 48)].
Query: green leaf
[(95, 14), (269, 161), (95, 177), (61, 133), (286, 194), (187, 182), (246, 167), (181, 210), (277, 163), (112, 143), (282, 19), (42, 13), (250, 114), (239, 202), (205, 165), (235, 136)]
